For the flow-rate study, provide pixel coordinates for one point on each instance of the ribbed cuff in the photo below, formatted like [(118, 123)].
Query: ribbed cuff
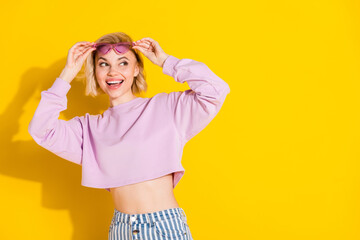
[(60, 87), (168, 67)]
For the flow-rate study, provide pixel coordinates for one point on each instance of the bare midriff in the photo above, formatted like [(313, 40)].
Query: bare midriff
[(145, 197)]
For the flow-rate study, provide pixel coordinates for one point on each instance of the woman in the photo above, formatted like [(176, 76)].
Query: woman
[(134, 148)]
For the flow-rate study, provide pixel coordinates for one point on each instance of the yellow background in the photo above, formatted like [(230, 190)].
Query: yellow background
[(279, 161)]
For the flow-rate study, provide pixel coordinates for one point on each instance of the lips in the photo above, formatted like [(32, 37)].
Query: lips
[(114, 81)]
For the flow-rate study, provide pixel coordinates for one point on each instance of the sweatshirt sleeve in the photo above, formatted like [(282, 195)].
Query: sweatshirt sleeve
[(63, 138), (193, 109)]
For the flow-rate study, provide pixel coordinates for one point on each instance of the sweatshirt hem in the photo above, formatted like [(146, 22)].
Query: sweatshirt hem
[(158, 175)]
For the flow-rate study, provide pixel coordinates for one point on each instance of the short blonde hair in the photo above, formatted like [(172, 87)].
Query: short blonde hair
[(92, 87)]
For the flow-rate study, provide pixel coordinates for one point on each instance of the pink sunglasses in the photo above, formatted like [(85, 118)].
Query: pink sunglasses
[(121, 47)]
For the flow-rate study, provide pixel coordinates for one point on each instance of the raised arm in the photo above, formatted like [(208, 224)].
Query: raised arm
[(63, 138), (194, 108)]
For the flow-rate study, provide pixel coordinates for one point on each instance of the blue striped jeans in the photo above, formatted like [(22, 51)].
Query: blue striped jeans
[(161, 225)]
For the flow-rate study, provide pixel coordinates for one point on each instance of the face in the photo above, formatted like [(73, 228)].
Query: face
[(115, 67)]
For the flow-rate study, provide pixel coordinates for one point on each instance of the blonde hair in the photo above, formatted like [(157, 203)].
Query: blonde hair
[(92, 87)]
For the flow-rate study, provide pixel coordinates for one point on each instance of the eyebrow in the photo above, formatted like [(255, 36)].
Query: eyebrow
[(118, 58)]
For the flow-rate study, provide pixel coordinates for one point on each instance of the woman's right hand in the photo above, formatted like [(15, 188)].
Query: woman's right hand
[(75, 59)]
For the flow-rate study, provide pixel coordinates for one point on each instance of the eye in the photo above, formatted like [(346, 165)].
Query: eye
[(125, 63)]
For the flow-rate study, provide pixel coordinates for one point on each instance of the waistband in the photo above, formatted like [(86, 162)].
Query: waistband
[(148, 217)]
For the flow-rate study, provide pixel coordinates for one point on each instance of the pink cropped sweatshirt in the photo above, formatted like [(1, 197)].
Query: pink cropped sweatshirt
[(135, 141)]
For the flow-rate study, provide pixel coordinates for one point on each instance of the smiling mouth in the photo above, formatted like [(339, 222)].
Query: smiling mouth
[(114, 83)]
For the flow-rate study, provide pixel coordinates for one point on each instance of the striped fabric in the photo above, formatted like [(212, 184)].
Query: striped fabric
[(161, 225)]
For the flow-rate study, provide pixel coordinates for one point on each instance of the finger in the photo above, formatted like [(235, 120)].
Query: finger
[(141, 41), (144, 42), (147, 38), (142, 48), (83, 43), (81, 48), (151, 42), (146, 45), (86, 53), (76, 49), (138, 48), (82, 51)]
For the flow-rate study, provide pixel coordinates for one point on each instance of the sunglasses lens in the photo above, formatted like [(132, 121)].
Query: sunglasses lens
[(122, 47), (103, 48)]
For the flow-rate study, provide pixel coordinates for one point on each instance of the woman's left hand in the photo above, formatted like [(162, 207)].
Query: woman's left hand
[(152, 50)]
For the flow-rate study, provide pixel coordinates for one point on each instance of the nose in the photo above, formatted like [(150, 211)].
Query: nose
[(112, 71)]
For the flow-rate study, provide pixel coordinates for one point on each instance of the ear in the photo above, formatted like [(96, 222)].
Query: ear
[(137, 70)]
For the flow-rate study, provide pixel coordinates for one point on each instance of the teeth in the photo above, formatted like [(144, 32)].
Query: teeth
[(115, 82)]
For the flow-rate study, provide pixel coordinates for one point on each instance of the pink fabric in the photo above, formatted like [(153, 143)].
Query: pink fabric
[(134, 141)]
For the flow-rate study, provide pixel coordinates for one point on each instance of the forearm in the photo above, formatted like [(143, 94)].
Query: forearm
[(194, 108), (64, 138), (163, 59), (199, 77), (67, 75)]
